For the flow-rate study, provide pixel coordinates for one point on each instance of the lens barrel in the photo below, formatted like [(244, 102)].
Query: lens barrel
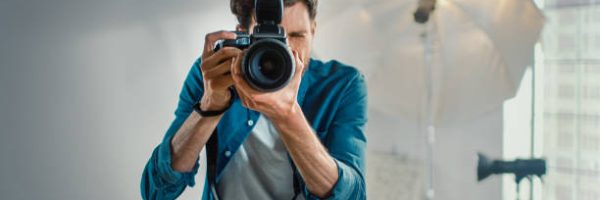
[(268, 65)]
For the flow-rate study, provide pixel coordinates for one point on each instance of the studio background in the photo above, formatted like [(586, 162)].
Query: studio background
[(88, 89)]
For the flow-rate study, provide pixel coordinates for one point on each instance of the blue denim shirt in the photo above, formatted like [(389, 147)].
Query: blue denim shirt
[(333, 98)]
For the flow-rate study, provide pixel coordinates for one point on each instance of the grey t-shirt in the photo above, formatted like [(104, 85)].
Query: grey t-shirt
[(260, 169)]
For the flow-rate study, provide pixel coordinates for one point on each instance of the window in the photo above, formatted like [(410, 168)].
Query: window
[(567, 103)]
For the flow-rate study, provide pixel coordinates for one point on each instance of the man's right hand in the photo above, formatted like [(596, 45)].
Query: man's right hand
[(190, 138), (215, 69)]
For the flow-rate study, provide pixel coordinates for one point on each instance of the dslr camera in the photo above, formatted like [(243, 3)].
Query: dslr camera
[(268, 64)]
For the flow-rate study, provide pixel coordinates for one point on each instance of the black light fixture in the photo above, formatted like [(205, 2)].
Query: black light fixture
[(521, 168), (424, 10)]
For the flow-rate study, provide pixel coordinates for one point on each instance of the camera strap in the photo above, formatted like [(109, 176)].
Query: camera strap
[(211, 168), (296, 180)]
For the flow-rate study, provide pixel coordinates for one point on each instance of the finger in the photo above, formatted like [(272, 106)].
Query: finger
[(223, 82), (211, 38), (299, 64), (240, 91), (242, 88), (235, 64), (219, 70), (245, 104), (236, 73), (246, 99), (239, 80), (219, 57)]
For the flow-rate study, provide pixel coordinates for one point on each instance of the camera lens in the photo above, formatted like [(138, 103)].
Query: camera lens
[(268, 65)]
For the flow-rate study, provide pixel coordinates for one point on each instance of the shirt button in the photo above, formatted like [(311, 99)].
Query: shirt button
[(250, 122), (227, 153)]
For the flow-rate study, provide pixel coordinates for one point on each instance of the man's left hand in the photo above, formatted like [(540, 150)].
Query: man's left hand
[(274, 105)]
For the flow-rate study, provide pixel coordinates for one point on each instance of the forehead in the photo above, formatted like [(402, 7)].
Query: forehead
[(295, 17)]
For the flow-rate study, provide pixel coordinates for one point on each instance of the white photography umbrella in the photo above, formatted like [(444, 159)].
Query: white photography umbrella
[(479, 51), (440, 79)]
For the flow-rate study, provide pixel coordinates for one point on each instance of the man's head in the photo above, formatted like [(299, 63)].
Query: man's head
[(298, 22)]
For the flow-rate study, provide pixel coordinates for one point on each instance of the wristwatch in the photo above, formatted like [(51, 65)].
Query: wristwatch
[(212, 113)]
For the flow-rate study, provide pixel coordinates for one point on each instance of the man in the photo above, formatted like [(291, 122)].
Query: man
[(303, 141)]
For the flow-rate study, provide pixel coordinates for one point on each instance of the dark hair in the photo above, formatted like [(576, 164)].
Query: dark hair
[(243, 9)]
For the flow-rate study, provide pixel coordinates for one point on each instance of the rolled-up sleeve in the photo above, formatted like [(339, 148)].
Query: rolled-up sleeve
[(346, 143), (159, 179)]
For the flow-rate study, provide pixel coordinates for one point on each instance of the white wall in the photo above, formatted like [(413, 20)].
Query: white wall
[(87, 89)]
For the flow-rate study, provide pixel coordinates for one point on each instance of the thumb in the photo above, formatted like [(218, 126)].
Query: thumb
[(299, 64)]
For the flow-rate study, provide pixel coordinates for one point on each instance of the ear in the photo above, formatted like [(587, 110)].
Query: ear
[(313, 27)]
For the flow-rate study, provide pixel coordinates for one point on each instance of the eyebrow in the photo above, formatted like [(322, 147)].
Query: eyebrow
[(297, 33)]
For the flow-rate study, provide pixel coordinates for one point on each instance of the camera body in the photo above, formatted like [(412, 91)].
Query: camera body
[(268, 64)]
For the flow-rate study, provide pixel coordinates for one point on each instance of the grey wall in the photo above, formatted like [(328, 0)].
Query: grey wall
[(87, 89)]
